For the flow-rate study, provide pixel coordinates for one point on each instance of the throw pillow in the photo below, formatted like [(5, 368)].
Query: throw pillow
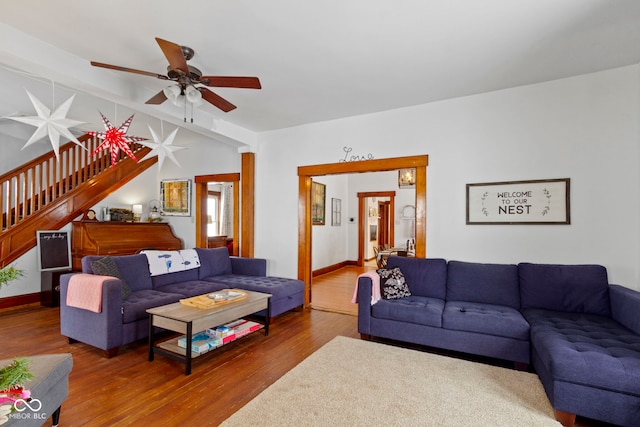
[(392, 283), (107, 267)]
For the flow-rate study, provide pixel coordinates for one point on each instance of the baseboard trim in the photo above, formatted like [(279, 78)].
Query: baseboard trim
[(18, 300), (330, 268)]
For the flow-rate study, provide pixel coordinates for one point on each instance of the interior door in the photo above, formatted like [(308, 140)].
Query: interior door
[(384, 225)]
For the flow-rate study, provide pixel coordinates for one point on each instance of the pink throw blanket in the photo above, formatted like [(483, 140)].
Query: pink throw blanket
[(375, 287), (85, 291)]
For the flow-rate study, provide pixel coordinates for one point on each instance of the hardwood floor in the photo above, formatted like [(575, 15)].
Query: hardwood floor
[(333, 291), (129, 390)]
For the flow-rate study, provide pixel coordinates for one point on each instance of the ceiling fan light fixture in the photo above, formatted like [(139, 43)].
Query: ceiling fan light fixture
[(173, 93), (193, 96)]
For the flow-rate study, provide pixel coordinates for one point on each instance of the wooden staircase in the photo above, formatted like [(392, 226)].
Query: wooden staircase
[(47, 193)]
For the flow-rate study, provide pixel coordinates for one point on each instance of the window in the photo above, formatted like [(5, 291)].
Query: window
[(213, 213)]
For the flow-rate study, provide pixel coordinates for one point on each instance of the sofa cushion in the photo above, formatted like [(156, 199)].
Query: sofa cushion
[(425, 276), (568, 288), (414, 309), (107, 267), (490, 319), (213, 262), (192, 288), (484, 283), (586, 349), (392, 283), (172, 278), (624, 307), (278, 287), (133, 269), (135, 307)]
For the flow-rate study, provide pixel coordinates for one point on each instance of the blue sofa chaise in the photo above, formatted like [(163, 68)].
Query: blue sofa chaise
[(124, 319), (580, 333)]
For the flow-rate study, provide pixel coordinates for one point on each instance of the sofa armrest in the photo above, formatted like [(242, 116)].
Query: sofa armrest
[(625, 307), (248, 266), (364, 305), (102, 330)]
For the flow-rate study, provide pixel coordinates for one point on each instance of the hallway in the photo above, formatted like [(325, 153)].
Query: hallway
[(333, 291)]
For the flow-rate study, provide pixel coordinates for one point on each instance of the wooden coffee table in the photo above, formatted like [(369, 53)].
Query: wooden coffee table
[(188, 320)]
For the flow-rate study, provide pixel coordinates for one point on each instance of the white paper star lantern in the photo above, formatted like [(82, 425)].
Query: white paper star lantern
[(54, 124), (162, 149)]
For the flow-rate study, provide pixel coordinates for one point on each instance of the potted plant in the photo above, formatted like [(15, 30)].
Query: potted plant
[(14, 375), (12, 380), (9, 274)]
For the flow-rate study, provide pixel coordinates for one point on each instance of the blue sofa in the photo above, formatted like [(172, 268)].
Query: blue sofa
[(580, 334), (125, 320)]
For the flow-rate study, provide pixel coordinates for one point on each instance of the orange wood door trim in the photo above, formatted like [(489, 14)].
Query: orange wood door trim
[(377, 165)]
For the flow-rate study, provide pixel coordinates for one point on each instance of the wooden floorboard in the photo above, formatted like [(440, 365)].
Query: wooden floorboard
[(129, 390), (334, 291)]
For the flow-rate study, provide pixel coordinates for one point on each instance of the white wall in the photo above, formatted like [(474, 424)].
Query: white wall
[(584, 128), (200, 157), (328, 242)]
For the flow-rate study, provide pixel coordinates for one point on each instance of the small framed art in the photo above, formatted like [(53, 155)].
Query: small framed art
[(176, 197), (318, 198)]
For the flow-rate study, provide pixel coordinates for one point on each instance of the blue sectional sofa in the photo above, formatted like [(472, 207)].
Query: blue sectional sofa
[(580, 333), (124, 319)]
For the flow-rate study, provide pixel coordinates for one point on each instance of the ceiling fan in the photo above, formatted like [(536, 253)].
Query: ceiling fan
[(188, 78)]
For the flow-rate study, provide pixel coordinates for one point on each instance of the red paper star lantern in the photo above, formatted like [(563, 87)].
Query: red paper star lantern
[(116, 139)]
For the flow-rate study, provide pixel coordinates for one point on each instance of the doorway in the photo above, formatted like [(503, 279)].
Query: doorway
[(305, 174), (384, 225), (383, 217), (217, 211)]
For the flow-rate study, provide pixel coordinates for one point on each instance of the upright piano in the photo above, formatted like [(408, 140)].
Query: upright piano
[(119, 238)]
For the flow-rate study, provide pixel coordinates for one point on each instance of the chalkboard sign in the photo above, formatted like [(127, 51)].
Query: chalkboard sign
[(54, 250)]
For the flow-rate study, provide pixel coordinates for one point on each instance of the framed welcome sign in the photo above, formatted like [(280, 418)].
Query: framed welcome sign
[(544, 201)]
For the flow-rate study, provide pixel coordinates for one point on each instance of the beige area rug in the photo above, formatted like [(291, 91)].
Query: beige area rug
[(350, 382)]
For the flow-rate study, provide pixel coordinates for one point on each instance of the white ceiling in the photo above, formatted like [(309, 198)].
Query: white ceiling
[(318, 60)]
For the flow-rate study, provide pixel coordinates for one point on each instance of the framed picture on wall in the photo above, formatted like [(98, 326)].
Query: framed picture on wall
[(336, 212), (543, 201), (53, 249), (318, 198), (373, 232), (176, 197)]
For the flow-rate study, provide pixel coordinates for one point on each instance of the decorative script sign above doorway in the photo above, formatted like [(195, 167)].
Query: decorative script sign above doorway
[(544, 201)]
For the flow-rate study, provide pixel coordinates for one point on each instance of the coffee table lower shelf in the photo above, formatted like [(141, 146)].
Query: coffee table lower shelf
[(186, 320), (171, 345)]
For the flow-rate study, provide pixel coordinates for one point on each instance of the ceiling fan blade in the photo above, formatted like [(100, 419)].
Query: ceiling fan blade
[(128, 70), (240, 82), (174, 55), (216, 100), (158, 98)]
